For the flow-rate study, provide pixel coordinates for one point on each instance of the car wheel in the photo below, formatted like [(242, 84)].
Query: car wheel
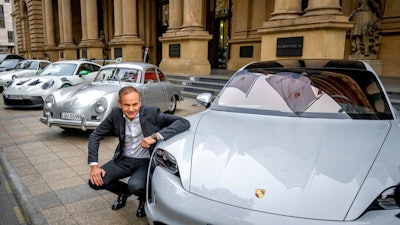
[(172, 104)]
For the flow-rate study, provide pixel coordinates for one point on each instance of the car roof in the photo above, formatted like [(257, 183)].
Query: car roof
[(4, 56), (309, 63), (132, 65), (76, 61)]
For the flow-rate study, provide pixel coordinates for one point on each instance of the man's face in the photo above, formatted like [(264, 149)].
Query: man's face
[(130, 104)]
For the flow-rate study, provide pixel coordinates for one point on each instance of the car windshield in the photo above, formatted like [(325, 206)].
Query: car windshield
[(119, 74), (27, 65), (59, 69), (306, 93), (9, 63)]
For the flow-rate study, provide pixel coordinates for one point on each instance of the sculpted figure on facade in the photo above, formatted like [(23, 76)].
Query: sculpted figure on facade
[(366, 33)]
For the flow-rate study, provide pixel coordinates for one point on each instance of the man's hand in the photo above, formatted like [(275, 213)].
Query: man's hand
[(147, 141), (96, 175)]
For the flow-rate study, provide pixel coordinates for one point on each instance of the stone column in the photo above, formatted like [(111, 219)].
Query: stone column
[(84, 21), (320, 33), (50, 46), (49, 20), (192, 10), (60, 20), (126, 39), (118, 21), (129, 11), (67, 21), (323, 7), (67, 46), (91, 18), (91, 46), (189, 45), (285, 9), (175, 15)]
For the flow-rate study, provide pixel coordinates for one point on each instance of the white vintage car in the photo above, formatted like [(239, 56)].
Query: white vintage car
[(24, 68), (299, 142), (30, 92), (85, 107)]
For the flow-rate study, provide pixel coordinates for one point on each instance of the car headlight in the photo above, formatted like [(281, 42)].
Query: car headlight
[(49, 102), (48, 84), (165, 160), (386, 200), (101, 105)]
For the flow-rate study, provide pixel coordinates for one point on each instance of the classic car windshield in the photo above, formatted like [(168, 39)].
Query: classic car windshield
[(59, 69), (311, 93), (119, 74)]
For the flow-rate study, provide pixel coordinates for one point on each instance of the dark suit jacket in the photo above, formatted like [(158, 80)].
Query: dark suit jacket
[(151, 120)]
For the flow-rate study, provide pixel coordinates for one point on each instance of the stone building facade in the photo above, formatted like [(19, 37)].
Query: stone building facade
[(192, 37)]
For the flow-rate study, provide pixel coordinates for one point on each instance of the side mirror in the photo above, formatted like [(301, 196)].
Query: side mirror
[(38, 72), (84, 72), (204, 99)]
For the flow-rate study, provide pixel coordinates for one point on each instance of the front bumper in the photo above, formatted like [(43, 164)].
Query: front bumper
[(23, 102), (82, 124), (169, 203)]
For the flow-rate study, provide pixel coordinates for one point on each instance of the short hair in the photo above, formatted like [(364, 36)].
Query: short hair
[(127, 90)]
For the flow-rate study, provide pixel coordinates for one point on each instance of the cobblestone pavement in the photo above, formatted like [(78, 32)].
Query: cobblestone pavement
[(51, 172)]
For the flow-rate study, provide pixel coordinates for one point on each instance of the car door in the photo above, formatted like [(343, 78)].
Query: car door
[(154, 92)]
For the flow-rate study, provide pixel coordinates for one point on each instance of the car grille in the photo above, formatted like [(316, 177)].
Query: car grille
[(23, 102)]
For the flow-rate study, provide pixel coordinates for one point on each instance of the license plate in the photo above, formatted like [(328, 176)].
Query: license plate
[(15, 97), (70, 116)]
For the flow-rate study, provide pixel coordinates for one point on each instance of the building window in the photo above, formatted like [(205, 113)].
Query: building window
[(7, 1), (2, 23), (10, 36)]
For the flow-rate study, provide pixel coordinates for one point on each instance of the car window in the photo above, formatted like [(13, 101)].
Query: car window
[(307, 93), (42, 65), (27, 65), (106, 74), (150, 75), (161, 75), (129, 75), (9, 63), (59, 69)]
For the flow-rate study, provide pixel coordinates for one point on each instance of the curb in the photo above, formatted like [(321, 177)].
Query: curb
[(32, 210)]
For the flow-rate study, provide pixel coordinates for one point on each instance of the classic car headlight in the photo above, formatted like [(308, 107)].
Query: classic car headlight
[(101, 105), (165, 160), (49, 102), (48, 84), (385, 200)]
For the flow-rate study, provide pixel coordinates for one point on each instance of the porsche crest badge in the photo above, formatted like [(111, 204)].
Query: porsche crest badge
[(260, 193)]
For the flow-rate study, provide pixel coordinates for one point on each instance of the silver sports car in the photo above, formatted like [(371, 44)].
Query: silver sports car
[(24, 68), (29, 92), (313, 142), (86, 107)]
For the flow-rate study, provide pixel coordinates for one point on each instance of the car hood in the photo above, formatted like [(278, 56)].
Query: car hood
[(87, 95), (301, 167), (17, 73)]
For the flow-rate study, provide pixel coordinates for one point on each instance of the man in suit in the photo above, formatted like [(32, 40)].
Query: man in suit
[(138, 128)]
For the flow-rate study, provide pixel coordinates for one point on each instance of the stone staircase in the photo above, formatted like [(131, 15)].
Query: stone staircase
[(191, 86)]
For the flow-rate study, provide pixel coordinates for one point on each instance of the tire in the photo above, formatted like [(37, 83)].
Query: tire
[(171, 105)]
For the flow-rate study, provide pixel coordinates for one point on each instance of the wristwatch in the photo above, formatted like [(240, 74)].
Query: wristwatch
[(154, 136)]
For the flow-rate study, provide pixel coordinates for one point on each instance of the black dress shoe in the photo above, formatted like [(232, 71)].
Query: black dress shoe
[(140, 210), (121, 201)]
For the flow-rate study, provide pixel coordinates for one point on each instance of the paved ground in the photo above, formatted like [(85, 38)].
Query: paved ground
[(47, 168)]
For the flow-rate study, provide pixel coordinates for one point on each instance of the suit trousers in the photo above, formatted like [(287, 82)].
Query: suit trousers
[(123, 167)]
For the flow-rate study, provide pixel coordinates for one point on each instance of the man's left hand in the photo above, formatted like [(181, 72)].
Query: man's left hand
[(147, 142)]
